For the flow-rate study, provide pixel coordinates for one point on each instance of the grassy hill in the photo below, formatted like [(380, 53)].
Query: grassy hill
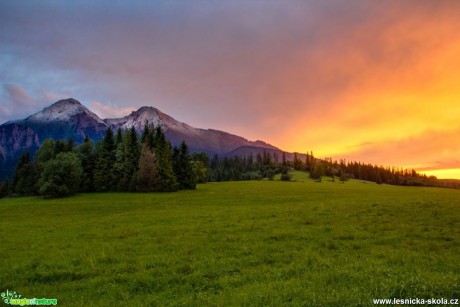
[(236, 243)]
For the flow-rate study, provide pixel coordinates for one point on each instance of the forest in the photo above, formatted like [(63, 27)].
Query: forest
[(118, 163), (267, 166), (126, 162)]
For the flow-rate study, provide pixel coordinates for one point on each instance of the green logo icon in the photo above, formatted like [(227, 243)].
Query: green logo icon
[(12, 298), (8, 296)]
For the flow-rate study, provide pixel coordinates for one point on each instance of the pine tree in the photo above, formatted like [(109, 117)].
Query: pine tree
[(148, 135), (164, 156), (25, 178), (183, 168), (104, 179), (145, 133), (307, 162), (85, 153), (70, 145), (61, 146), (118, 167), (148, 176), (4, 188), (119, 137), (46, 152), (297, 162), (132, 154)]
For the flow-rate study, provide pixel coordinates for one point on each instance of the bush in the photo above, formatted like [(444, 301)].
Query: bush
[(270, 174), (286, 177)]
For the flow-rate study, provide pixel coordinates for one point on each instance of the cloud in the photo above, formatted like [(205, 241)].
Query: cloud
[(302, 75), (431, 150), (16, 102), (109, 111), (52, 97), (17, 96)]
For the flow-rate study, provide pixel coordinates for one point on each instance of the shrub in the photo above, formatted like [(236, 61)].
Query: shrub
[(286, 177)]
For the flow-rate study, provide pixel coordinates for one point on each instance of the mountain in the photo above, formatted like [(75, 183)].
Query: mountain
[(206, 140), (63, 119), (68, 118)]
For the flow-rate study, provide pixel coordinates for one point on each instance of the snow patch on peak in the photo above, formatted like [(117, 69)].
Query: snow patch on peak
[(68, 101), (63, 110), (153, 117), (137, 119)]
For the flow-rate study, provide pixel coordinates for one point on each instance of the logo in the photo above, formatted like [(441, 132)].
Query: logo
[(12, 298)]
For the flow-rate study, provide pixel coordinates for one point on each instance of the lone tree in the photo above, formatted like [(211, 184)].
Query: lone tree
[(61, 176)]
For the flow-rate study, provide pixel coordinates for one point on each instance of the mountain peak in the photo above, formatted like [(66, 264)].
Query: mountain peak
[(137, 119), (146, 111), (62, 111), (68, 101)]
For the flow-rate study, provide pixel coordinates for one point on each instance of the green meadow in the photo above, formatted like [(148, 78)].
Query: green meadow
[(252, 243)]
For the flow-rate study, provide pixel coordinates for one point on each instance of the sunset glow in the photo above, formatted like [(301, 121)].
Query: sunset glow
[(365, 81)]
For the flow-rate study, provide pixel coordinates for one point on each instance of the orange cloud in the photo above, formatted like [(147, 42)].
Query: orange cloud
[(428, 152), (392, 85)]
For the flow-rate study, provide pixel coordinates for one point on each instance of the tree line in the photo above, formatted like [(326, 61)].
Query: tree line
[(125, 162), (267, 165), (122, 162)]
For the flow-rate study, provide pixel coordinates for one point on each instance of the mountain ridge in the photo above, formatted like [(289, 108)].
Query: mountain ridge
[(68, 118)]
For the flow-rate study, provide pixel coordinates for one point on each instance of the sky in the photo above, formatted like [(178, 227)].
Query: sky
[(370, 81)]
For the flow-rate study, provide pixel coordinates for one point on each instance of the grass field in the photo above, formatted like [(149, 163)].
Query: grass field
[(237, 243)]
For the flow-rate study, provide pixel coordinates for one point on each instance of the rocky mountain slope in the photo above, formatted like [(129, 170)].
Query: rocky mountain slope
[(68, 118)]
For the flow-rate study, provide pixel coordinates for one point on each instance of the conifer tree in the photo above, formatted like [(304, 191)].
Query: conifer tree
[(164, 157), (4, 188), (85, 152), (118, 166), (119, 137), (148, 176), (60, 146), (183, 168), (25, 178), (46, 152), (70, 145), (297, 162), (132, 154), (104, 178)]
